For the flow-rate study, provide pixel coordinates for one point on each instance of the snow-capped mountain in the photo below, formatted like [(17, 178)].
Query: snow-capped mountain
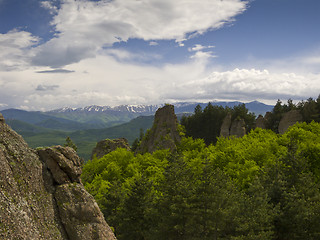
[(180, 107), (145, 109)]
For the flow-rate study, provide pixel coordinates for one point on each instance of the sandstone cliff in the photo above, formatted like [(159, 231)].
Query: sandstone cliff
[(106, 146), (41, 195), (164, 133)]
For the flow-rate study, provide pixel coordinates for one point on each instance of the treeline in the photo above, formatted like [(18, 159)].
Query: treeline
[(206, 123), (309, 110), (261, 186)]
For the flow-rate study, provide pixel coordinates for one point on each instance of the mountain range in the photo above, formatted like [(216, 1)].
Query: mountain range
[(90, 124)]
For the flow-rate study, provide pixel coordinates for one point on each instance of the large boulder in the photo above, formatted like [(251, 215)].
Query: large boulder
[(164, 133), (106, 146), (290, 118), (30, 189)]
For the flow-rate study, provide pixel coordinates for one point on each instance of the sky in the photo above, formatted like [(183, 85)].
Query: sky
[(76, 53)]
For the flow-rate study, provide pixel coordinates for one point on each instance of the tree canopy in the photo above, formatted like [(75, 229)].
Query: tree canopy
[(261, 186)]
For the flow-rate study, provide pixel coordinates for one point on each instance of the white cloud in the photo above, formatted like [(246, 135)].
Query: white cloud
[(198, 47), (105, 81), (246, 85), (14, 48), (152, 43), (99, 74), (50, 6), (85, 26), (203, 55)]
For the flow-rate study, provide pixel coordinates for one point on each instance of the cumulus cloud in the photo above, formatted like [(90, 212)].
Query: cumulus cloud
[(83, 27), (152, 43), (105, 81), (249, 84), (14, 48), (86, 32)]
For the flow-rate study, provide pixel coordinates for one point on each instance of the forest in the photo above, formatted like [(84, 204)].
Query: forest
[(264, 185)]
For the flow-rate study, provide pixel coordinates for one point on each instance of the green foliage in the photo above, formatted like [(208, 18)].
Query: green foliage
[(261, 186), (69, 143), (206, 123), (310, 111)]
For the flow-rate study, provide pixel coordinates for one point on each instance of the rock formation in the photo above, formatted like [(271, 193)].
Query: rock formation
[(225, 127), (164, 133), (232, 128), (41, 196), (238, 128), (290, 118), (260, 122), (106, 146)]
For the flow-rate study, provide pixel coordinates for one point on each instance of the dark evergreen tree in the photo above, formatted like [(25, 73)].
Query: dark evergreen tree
[(69, 143)]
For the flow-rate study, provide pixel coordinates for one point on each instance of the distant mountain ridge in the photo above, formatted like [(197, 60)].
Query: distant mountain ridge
[(180, 107), (98, 117), (121, 108)]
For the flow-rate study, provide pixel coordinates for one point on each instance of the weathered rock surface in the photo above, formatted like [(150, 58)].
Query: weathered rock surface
[(29, 193), (290, 118), (106, 146), (232, 128), (238, 128), (225, 127), (164, 133), (260, 122), (63, 163), (80, 214)]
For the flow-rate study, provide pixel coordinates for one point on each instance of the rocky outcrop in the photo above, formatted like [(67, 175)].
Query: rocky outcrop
[(80, 214), (232, 128), (164, 133), (41, 196), (106, 146), (63, 163), (290, 118), (238, 128), (225, 127), (260, 122)]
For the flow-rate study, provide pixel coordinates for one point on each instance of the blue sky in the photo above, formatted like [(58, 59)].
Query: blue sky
[(58, 53)]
